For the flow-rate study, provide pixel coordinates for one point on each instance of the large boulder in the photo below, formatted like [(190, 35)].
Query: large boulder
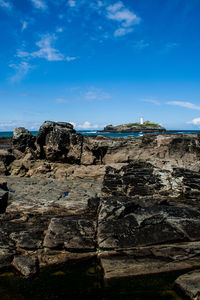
[(23, 140), (58, 141)]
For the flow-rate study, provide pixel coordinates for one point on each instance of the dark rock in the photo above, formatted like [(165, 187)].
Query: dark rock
[(59, 142), (26, 265), (190, 284), (3, 200), (6, 257), (23, 139), (6, 157), (135, 179), (123, 223), (71, 233)]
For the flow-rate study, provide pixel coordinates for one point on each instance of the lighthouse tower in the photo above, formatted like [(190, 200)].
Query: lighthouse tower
[(141, 120)]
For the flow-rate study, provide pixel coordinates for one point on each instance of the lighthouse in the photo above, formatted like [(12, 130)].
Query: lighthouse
[(141, 120)]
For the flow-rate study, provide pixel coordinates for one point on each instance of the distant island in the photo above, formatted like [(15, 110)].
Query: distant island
[(146, 126)]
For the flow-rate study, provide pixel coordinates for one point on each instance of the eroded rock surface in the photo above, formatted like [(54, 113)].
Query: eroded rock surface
[(190, 284), (133, 203)]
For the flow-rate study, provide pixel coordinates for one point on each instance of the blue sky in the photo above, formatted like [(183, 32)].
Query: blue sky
[(99, 62)]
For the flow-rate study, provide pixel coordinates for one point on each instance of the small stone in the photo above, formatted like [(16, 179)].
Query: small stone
[(190, 284), (26, 265)]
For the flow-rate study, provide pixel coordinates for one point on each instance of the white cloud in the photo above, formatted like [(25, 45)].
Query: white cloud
[(72, 3), (122, 31), (73, 123), (71, 58), (141, 44), (10, 125), (61, 100), (152, 101), (40, 4), (96, 94), (46, 51), (22, 70), (119, 13), (5, 4), (87, 125), (195, 121), (24, 25), (184, 104), (59, 29)]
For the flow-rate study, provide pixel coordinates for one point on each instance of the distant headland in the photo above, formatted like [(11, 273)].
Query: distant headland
[(142, 126)]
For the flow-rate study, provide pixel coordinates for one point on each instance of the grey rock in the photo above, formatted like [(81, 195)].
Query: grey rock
[(71, 233), (23, 139), (59, 142), (26, 265), (190, 284)]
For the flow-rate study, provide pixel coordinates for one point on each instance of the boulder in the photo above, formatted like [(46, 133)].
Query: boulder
[(26, 265), (23, 139), (59, 142)]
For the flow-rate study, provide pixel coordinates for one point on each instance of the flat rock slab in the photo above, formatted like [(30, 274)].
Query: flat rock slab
[(190, 284), (49, 196), (71, 233), (150, 260), (124, 223)]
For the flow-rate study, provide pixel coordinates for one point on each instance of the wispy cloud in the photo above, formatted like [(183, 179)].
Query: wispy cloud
[(195, 121), (71, 58), (10, 125), (24, 25), (87, 125), (184, 104), (141, 45), (40, 4), (46, 50), (152, 101), (72, 3), (5, 4), (21, 69), (96, 94), (125, 17), (61, 100)]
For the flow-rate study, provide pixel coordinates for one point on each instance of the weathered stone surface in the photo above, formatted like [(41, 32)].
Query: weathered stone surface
[(150, 260), (59, 142), (70, 233), (142, 180), (23, 139), (6, 257), (26, 265), (6, 156), (190, 284), (125, 223), (3, 200)]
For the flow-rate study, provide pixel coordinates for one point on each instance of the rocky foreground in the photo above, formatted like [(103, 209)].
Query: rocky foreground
[(132, 203)]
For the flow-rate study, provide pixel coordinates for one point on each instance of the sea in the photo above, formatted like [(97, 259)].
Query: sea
[(109, 134)]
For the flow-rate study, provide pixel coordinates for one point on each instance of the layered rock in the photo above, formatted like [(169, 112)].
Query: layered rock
[(133, 203)]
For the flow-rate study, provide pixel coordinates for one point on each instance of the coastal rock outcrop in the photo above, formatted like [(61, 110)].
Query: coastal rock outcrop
[(131, 203), (134, 127), (23, 140), (59, 142)]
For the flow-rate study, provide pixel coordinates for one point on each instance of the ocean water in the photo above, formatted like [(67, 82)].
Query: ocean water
[(108, 134)]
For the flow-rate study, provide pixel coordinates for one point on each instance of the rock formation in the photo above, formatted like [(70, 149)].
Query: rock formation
[(133, 203), (134, 127)]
